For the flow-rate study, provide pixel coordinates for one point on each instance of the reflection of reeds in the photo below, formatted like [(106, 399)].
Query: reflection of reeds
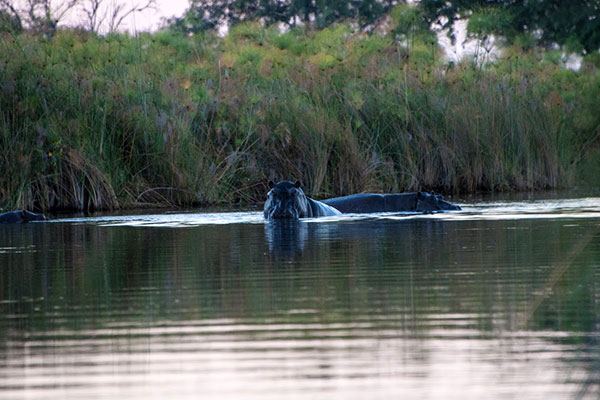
[(555, 276), (91, 122), (548, 290)]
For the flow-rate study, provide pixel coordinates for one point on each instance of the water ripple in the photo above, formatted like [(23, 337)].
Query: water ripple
[(543, 209)]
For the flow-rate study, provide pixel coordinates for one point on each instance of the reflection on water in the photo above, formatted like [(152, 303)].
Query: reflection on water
[(500, 300), (170, 220)]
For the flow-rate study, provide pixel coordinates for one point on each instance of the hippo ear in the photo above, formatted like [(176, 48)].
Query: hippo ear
[(271, 184), (297, 184)]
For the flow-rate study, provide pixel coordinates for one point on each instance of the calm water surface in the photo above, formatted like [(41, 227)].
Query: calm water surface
[(501, 300)]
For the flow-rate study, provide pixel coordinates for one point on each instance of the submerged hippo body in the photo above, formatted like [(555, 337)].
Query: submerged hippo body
[(20, 217), (400, 202), (287, 200)]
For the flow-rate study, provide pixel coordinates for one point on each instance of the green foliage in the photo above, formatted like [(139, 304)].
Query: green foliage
[(9, 22), (490, 21), (212, 15), (409, 22), (573, 24), (105, 122), (591, 61), (411, 28)]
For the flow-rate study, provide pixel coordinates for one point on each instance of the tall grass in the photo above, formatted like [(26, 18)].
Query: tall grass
[(90, 122)]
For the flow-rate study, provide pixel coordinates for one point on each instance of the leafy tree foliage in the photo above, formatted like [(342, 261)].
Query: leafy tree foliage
[(574, 23), (9, 22), (212, 14), (409, 23)]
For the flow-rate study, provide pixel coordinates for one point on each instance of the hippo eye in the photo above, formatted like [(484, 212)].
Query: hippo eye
[(293, 191)]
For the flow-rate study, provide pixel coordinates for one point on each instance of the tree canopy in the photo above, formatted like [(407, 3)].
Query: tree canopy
[(212, 14), (574, 23)]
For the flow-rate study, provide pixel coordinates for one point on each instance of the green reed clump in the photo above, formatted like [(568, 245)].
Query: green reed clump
[(89, 122)]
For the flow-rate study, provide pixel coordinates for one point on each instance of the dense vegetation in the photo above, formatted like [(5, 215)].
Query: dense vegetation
[(104, 122), (572, 24), (205, 15)]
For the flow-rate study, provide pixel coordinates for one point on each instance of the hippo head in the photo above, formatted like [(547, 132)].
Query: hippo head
[(29, 216), (286, 200), (427, 202)]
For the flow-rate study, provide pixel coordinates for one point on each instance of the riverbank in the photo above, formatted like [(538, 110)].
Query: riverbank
[(92, 122)]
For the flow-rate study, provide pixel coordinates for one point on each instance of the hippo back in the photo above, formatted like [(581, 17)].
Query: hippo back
[(320, 209), (394, 202), (11, 217), (21, 216), (373, 202)]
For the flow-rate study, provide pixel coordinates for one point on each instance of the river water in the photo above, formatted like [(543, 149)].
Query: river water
[(500, 300)]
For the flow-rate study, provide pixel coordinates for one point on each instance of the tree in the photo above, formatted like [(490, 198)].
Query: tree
[(9, 22), (574, 24), (213, 14), (43, 16), (100, 15)]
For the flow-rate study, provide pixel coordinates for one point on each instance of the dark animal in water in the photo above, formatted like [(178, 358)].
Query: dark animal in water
[(287, 200), (397, 202), (20, 217)]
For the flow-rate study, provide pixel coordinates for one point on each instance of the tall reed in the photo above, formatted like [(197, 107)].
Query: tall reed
[(90, 122)]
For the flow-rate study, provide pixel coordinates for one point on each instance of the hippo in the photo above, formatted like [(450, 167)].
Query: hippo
[(395, 202), (287, 200), (20, 217)]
